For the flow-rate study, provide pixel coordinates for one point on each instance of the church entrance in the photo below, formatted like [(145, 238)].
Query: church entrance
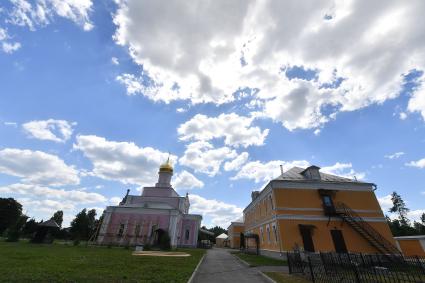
[(158, 233)]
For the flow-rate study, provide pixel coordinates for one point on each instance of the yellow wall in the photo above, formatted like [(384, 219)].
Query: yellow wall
[(234, 231), (307, 203), (411, 247)]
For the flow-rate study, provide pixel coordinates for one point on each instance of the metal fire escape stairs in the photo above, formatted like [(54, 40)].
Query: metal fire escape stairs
[(365, 230)]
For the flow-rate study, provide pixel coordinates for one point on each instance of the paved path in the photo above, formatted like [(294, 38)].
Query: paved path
[(220, 266)]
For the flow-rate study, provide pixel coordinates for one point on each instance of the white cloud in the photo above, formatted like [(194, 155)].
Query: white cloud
[(386, 203), (263, 172), (418, 164), (395, 155), (202, 157), (115, 200), (121, 161), (37, 167), (209, 51), (403, 115), (236, 163), (344, 170), (75, 196), (115, 61), (186, 181), (6, 45), (219, 213), (11, 124), (236, 130), (53, 130), (41, 13)]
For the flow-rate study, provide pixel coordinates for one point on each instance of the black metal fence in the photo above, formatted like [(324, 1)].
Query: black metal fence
[(334, 267)]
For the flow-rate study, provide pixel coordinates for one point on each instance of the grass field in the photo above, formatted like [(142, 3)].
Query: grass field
[(259, 260), (25, 262)]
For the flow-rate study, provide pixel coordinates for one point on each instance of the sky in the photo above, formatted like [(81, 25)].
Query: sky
[(95, 95)]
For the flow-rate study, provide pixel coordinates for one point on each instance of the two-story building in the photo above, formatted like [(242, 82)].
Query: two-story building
[(313, 211), (234, 231)]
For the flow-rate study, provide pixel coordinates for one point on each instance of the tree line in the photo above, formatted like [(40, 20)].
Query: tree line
[(402, 225), (14, 224)]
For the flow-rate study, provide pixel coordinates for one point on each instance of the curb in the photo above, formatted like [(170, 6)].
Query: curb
[(196, 269), (267, 277), (242, 261)]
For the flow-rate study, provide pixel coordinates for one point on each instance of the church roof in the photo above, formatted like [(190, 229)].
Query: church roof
[(166, 167), (49, 223)]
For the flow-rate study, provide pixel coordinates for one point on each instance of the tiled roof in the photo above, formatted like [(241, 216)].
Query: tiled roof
[(294, 174)]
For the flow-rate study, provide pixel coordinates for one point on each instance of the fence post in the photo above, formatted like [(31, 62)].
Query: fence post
[(289, 262), (354, 267), (311, 270), (361, 255)]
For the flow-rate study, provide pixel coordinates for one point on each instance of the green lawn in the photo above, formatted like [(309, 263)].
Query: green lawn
[(259, 260), (280, 277), (25, 262)]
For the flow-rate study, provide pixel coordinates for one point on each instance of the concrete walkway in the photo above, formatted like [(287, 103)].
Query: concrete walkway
[(220, 266)]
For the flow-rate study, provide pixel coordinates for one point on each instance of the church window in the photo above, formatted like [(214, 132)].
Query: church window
[(121, 230), (262, 234), (137, 230), (187, 234)]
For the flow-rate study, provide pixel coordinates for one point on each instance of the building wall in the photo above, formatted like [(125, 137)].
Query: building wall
[(234, 232), (412, 247), (189, 233), (284, 209)]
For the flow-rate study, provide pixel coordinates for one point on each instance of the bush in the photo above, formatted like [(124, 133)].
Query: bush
[(76, 242), (147, 247), (13, 235)]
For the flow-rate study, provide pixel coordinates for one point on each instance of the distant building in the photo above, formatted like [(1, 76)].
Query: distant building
[(235, 229), (305, 209), (221, 240), (411, 245), (144, 219)]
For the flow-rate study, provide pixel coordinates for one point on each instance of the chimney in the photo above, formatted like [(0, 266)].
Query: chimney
[(281, 170), (254, 195)]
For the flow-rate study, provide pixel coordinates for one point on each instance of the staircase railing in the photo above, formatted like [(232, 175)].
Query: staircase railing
[(373, 236)]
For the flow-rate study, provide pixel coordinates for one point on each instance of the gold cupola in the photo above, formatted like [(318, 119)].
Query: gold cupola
[(166, 167)]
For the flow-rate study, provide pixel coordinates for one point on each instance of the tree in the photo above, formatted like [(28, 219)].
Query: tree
[(30, 228), (10, 211), (14, 232), (58, 217), (399, 207), (83, 225), (79, 226)]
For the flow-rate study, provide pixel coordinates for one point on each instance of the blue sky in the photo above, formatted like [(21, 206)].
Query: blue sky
[(95, 94)]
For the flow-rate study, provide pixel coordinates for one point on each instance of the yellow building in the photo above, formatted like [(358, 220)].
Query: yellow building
[(234, 230), (411, 245), (309, 210)]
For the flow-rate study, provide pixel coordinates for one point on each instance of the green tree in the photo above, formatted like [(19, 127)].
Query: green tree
[(79, 226), (58, 217), (10, 211), (399, 207), (14, 232), (30, 228)]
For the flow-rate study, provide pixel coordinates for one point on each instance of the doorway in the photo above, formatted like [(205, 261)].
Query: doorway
[(306, 234), (339, 241)]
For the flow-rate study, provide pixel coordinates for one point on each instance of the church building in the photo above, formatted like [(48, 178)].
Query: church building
[(143, 219)]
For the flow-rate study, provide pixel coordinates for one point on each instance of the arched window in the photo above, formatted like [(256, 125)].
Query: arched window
[(268, 233), (121, 230), (187, 234)]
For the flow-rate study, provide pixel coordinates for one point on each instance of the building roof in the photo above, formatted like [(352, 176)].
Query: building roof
[(166, 167), (222, 236), (50, 223), (295, 174)]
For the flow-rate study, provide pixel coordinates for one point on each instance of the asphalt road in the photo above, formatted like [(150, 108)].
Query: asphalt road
[(220, 266)]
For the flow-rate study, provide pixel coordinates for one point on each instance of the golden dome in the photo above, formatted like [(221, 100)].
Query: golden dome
[(166, 167)]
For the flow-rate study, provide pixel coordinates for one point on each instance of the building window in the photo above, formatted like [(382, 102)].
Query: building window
[(268, 233), (275, 232), (262, 234), (271, 201), (187, 234), (121, 230)]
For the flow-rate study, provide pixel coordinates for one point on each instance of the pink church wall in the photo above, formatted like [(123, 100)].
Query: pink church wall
[(131, 220), (192, 226)]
